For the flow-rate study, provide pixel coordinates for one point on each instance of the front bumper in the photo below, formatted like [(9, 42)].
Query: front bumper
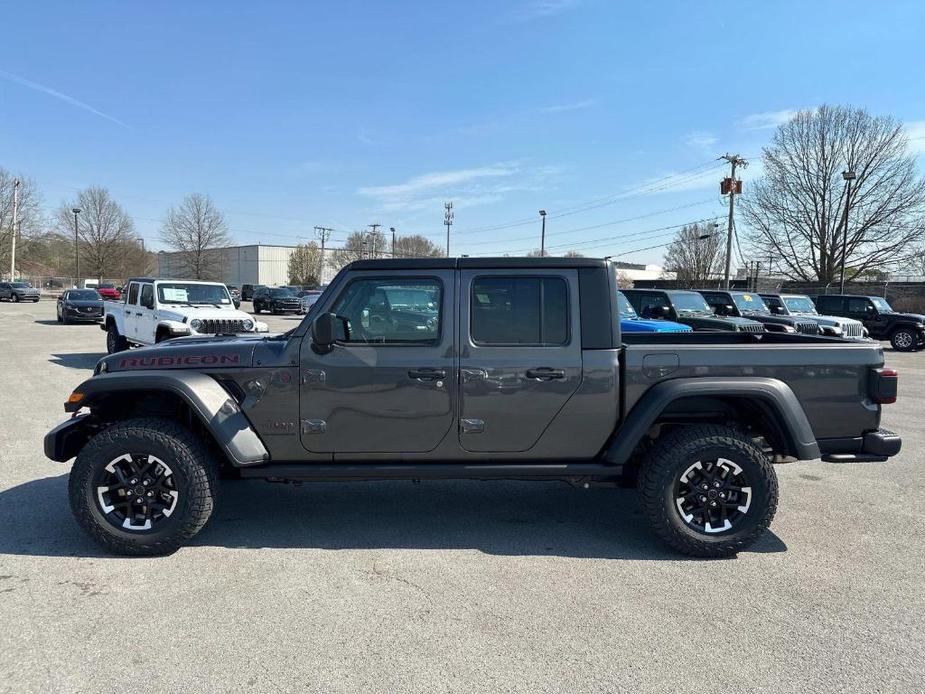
[(65, 441), (872, 447)]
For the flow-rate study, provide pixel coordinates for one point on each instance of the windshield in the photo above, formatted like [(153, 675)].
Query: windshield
[(280, 293), (800, 304), (882, 304), (750, 303), (190, 293), (83, 295), (689, 302), (627, 311)]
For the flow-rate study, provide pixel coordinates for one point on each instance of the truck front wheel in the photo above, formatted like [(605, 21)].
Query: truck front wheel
[(143, 486), (708, 491)]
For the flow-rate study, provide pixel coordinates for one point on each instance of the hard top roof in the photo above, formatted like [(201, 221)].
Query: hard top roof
[(474, 263)]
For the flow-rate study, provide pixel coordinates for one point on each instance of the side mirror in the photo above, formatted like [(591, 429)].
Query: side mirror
[(658, 312), (776, 310), (149, 302), (324, 331)]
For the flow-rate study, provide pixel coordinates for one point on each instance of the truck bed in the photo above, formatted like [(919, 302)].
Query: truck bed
[(828, 375)]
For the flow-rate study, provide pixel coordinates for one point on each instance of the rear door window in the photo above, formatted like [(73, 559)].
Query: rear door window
[(519, 311)]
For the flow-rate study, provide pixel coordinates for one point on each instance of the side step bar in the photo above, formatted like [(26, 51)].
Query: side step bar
[(428, 471)]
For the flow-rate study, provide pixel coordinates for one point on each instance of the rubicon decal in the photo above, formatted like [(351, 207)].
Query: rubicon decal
[(188, 360)]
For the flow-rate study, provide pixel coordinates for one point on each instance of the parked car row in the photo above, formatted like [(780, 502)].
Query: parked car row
[(853, 317)]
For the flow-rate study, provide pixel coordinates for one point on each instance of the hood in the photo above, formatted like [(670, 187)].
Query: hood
[(780, 320), (914, 317), (736, 320), (827, 320), (25, 290), (84, 303), (642, 325), (206, 352)]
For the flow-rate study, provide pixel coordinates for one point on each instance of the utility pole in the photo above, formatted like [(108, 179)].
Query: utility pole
[(373, 230), (15, 229), (323, 234), (732, 187), (448, 217), (392, 229), (543, 235), (76, 212)]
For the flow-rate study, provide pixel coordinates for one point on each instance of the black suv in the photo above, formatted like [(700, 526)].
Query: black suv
[(905, 331), (688, 308), (748, 305), (276, 300)]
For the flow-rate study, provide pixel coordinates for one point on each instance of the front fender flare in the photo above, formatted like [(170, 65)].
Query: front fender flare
[(772, 393), (216, 409)]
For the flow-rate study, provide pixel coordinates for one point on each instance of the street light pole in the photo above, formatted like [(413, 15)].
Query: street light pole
[(76, 212), (848, 176), (15, 229), (543, 234)]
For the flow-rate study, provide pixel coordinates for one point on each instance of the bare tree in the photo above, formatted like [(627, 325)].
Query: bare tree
[(304, 264), (30, 215), (796, 211), (695, 260), (416, 246), (573, 254), (361, 245), (196, 228), (103, 229)]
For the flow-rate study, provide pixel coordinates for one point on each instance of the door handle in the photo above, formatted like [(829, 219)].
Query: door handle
[(544, 373), (427, 374)]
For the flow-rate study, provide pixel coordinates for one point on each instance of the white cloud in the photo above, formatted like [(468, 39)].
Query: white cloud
[(575, 106), (537, 9), (700, 139), (58, 95), (915, 134), (466, 187), (767, 119)]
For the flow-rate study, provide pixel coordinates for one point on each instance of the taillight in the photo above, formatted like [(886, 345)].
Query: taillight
[(883, 384)]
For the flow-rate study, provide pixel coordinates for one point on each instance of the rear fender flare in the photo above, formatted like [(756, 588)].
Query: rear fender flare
[(773, 394), (216, 409)]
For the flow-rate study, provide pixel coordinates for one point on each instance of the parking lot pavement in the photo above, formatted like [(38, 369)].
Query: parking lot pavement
[(451, 586)]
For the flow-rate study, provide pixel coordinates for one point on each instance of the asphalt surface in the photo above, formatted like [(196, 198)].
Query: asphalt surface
[(451, 586)]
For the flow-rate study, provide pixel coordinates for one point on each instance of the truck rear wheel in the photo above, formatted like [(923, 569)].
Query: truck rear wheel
[(708, 491), (143, 486), (114, 341), (903, 340)]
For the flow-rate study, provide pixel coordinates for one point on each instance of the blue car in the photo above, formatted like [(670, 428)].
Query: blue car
[(630, 322)]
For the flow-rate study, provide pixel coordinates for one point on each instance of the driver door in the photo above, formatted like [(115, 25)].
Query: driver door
[(389, 383)]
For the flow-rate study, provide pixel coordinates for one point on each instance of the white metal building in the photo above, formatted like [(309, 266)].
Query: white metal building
[(237, 265)]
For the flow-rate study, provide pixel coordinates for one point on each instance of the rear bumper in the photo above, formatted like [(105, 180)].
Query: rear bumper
[(872, 447)]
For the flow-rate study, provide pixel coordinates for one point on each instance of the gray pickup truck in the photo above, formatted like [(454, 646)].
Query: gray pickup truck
[(507, 368)]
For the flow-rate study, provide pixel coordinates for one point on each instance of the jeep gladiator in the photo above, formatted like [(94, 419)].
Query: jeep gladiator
[(155, 310), (507, 368)]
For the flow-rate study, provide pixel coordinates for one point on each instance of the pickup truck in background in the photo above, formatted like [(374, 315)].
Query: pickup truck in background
[(750, 305), (801, 306), (685, 307), (469, 368), (155, 310), (905, 331)]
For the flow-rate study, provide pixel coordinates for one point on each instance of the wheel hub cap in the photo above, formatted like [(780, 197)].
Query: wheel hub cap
[(136, 491), (712, 495)]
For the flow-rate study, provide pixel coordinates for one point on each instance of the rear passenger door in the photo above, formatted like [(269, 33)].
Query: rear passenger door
[(520, 355)]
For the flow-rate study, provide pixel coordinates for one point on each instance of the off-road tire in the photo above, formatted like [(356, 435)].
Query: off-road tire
[(903, 340), (672, 454), (193, 466), (114, 341)]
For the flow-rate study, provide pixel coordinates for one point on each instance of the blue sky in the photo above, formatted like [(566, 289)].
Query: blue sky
[(606, 114)]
